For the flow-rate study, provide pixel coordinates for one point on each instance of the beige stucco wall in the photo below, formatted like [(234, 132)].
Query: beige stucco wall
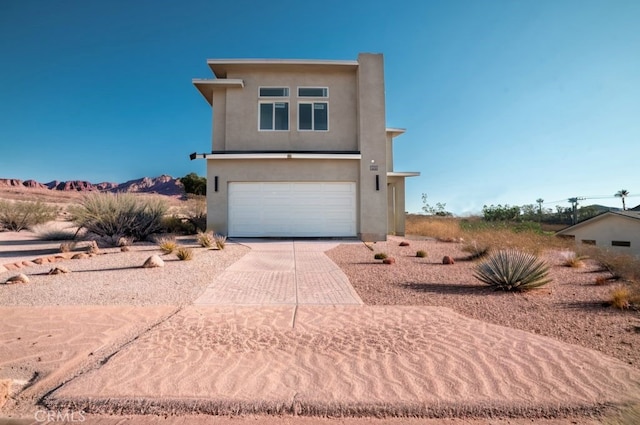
[(240, 129), (610, 228), (396, 205), (373, 147), (274, 170)]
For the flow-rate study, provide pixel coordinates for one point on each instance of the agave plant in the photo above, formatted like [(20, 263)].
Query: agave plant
[(512, 270)]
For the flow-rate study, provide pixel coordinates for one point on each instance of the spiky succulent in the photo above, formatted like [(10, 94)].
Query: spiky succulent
[(512, 270)]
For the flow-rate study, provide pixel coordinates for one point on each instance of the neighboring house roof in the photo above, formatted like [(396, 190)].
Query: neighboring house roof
[(627, 214), (636, 208)]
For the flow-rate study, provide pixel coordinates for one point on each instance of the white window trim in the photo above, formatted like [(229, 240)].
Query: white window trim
[(273, 102), (311, 102), (312, 87)]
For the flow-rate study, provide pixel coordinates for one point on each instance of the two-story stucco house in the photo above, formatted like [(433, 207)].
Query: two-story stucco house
[(300, 149)]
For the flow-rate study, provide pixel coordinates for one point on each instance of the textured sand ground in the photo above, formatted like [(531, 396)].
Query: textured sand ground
[(364, 356), (353, 361)]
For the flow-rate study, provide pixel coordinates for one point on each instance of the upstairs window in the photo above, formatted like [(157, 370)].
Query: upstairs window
[(273, 115), (313, 92), (313, 116)]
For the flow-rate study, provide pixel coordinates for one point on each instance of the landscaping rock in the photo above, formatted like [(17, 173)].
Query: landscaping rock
[(389, 260), (124, 248), (11, 266), (153, 261), (19, 278), (404, 243), (28, 263), (59, 270), (80, 256), (447, 260), (41, 260)]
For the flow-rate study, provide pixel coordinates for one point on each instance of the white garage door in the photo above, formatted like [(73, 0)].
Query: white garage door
[(292, 209)]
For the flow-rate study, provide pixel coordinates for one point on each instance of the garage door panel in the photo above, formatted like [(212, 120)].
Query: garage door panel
[(292, 209)]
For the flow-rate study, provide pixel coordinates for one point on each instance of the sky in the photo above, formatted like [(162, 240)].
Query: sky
[(503, 101)]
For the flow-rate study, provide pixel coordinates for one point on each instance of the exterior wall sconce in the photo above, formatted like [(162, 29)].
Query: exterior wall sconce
[(215, 184), (377, 181)]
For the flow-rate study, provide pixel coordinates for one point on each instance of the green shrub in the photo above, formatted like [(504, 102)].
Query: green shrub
[(195, 212), (219, 240), (20, 215), (380, 256), (512, 270), (194, 184), (421, 254), (205, 239), (184, 254), (120, 215)]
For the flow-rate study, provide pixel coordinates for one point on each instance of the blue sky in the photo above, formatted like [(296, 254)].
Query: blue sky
[(503, 101)]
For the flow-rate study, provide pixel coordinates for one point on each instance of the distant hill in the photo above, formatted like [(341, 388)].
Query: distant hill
[(163, 185)]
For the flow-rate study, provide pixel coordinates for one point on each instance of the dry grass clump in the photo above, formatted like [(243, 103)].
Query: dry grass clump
[(67, 246), (380, 256), (184, 254), (167, 244), (441, 228), (573, 260), (205, 239), (421, 254), (20, 215), (52, 232), (219, 240), (625, 297)]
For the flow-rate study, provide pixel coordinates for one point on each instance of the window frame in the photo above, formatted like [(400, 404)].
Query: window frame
[(273, 100), (313, 114), (625, 244)]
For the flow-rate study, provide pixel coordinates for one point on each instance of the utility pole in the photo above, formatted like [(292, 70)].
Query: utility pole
[(539, 201), (574, 207)]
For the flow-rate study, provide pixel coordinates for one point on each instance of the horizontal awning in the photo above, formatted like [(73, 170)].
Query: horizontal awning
[(403, 173), (207, 86), (278, 155)]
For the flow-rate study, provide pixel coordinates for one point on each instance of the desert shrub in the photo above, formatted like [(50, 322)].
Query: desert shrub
[(120, 215), (618, 264), (167, 244), (421, 254), (195, 212), (177, 225), (624, 297), (184, 254), (194, 184), (574, 260), (20, 215), (512, 270), (380, 256), (220, 240), (205, 239)]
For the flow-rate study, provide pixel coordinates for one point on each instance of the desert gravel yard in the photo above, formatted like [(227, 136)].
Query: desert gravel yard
[(572, 308)]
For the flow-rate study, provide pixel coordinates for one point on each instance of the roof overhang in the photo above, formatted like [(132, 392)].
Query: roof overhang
[(395, 132), (221, 67), (278, 155), (403, 173), (207, 86)]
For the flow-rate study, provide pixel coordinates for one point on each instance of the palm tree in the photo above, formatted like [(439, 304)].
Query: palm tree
[(623, 194)]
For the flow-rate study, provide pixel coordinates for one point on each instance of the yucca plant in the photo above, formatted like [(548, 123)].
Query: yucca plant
[(512, 270)]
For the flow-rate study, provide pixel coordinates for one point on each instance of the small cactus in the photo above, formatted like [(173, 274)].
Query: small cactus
[(421, 254), (380, 256)]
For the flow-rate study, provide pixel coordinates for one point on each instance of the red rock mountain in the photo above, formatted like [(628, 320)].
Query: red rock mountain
[(163, 185)]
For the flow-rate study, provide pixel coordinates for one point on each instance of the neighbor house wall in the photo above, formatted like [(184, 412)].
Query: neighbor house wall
[(610, 228), (396, 205), (274, 170)]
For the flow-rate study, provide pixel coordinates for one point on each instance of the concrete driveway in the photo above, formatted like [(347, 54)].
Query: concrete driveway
[(282, 272)]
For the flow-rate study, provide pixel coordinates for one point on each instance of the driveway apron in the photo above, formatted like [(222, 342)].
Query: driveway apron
[(282, 272)]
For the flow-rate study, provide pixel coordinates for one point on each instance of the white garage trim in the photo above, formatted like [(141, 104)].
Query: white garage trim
[(292, 209)]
